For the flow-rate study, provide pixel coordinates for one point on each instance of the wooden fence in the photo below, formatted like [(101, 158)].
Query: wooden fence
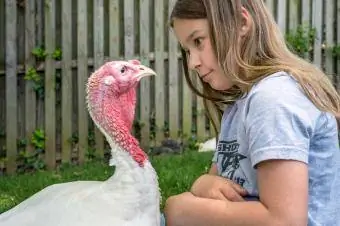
[(49, 47)]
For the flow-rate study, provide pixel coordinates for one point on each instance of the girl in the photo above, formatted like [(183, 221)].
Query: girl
[(278, 137)]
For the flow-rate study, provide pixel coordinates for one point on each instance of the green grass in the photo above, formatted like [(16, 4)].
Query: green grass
[(176, 174)]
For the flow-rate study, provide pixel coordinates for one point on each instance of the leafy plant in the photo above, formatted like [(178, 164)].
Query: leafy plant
[(3, 158), (32, 161), (91, 154), (38, 82), (336, 51), (137, 128), (57, 54), (39, 53), (38, 139), (301, 40), (74, 139)]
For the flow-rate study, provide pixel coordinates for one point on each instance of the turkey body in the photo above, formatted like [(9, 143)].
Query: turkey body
[(130, 197)]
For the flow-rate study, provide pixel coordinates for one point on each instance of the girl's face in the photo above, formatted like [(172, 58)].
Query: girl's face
[(193, 35)]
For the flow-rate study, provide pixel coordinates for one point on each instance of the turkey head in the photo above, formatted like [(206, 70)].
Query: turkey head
[(111, 98)]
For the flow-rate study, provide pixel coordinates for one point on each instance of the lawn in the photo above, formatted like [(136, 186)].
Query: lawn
[(176, 173)]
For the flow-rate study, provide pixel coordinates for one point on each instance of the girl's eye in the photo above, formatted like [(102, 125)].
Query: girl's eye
[(198, 42)]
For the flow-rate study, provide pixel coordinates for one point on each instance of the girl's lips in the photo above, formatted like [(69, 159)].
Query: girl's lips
[(206, 76)]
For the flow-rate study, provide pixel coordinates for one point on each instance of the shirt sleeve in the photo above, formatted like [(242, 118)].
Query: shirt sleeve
[(214, 158), (279, 124)]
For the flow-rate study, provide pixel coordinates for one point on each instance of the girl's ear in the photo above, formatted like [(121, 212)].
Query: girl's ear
[(246, 21)]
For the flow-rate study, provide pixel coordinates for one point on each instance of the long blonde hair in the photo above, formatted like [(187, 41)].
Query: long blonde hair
[(263, 52)]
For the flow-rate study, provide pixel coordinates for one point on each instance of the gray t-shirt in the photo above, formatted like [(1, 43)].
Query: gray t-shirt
[(277, 121)]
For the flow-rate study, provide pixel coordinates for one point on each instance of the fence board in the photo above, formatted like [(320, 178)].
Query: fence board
[(11, 85), (129, 28), (40, 22), (271, 6), (66, 81), (40, 5), (338, 43), (317, 23), (144, 30), (282, 15), (187, 101), (305, 19), (173, 82), (98, 29), (293, 14), (114, 15), (159, 67), (329, 40), (50, 96), (30, 95), (2, 39), (90, 63), (82, 75), (200, 115), (305, 8)]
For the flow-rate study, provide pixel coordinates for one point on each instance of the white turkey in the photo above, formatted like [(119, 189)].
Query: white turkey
[(208, 145), (130, 197)]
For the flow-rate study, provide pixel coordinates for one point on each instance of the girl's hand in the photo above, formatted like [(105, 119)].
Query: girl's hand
[(216, 187)]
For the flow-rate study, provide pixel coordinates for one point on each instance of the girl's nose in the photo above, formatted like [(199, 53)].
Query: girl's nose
[(194, 62)]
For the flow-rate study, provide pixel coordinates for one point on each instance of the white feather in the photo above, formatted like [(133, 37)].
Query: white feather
[(209, 145), (130, 197), (108, 80)]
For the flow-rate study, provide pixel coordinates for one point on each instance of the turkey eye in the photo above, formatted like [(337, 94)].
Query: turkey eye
[(123, 69)]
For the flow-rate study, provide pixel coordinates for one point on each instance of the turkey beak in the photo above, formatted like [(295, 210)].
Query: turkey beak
[(144, 71)]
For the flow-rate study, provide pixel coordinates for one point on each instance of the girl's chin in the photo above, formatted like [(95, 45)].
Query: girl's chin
[(218, 86)]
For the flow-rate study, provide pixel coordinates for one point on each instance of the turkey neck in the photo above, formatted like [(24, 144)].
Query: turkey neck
[(127, 104), (133, 171), (119, 115)]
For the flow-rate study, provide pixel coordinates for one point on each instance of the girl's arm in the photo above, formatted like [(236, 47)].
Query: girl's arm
[(283, 190), (212, 186), (213, 169)]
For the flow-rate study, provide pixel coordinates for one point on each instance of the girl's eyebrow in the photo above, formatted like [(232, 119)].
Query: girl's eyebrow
[(191, 35)]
